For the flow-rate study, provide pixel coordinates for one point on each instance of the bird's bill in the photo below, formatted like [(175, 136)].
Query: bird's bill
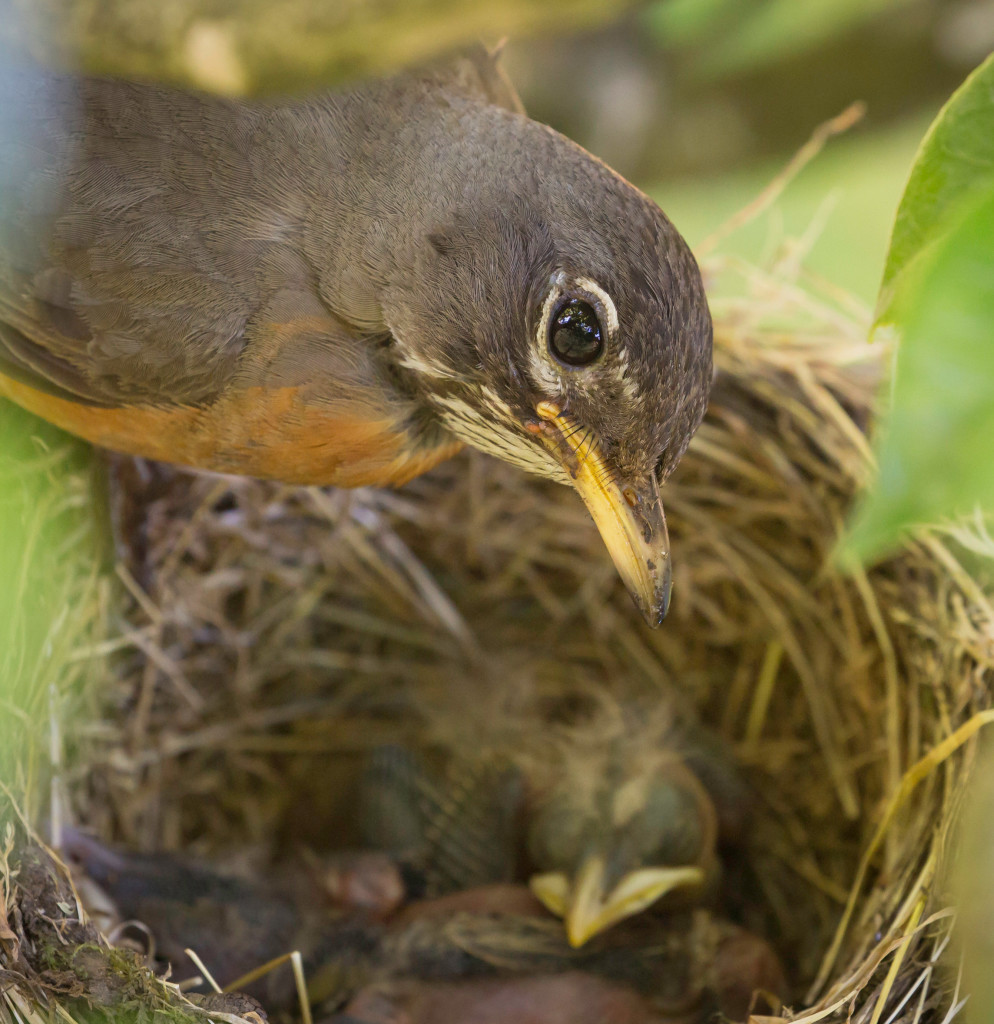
[(588, 909), (628, 513)]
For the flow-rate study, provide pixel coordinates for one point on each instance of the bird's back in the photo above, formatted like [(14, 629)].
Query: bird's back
[(142, 228), (165, 253)]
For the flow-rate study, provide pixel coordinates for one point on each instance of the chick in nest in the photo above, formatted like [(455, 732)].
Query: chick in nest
[(166, 904), (604, 818), (481, 948)]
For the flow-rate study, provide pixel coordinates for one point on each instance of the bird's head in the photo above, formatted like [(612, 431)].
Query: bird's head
[(609, 847), (560, 324)]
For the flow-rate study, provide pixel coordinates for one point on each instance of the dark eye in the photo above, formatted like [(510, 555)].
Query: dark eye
[(575, 333)]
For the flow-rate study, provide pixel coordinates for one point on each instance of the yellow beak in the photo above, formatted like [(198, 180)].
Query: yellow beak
[(589, 910), (628, 513)]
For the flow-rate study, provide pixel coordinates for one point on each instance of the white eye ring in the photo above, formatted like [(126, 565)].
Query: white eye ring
[(610, 312), (559, 285), (547, 374)]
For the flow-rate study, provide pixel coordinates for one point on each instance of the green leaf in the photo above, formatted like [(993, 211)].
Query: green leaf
[(955, 158), (935, 446)]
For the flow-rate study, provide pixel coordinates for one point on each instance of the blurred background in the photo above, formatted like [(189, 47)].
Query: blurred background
[(702, 103)]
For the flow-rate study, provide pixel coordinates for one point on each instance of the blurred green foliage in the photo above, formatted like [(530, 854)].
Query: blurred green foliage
[(842, 204), (48, 596), (737, 36), (934, 446)]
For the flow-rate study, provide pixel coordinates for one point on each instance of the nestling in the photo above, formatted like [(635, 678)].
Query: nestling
[(469, 953), (603, 819)]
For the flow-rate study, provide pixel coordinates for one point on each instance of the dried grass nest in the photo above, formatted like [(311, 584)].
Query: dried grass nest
[(279, 633)]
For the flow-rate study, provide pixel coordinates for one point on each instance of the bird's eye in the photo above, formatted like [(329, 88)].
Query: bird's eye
[(575, 336)]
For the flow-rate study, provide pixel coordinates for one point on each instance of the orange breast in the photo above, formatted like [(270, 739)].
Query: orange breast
[(258, 431)]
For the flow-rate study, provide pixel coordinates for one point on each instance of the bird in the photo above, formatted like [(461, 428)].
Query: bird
[(434, 952), (603, 818), (636, 810), (611, 839), (345, 289)]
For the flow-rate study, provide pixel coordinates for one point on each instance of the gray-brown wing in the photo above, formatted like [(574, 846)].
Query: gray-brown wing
[(138, 238), (146, 234)]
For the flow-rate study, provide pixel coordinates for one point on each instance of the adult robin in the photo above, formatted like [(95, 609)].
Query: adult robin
[(344, 289)]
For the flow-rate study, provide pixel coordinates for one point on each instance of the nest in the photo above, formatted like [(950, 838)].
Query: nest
[(264, 638)]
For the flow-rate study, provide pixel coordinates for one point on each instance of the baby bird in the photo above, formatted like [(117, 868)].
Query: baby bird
[(610, 818), (609, 841), (484, 954)]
